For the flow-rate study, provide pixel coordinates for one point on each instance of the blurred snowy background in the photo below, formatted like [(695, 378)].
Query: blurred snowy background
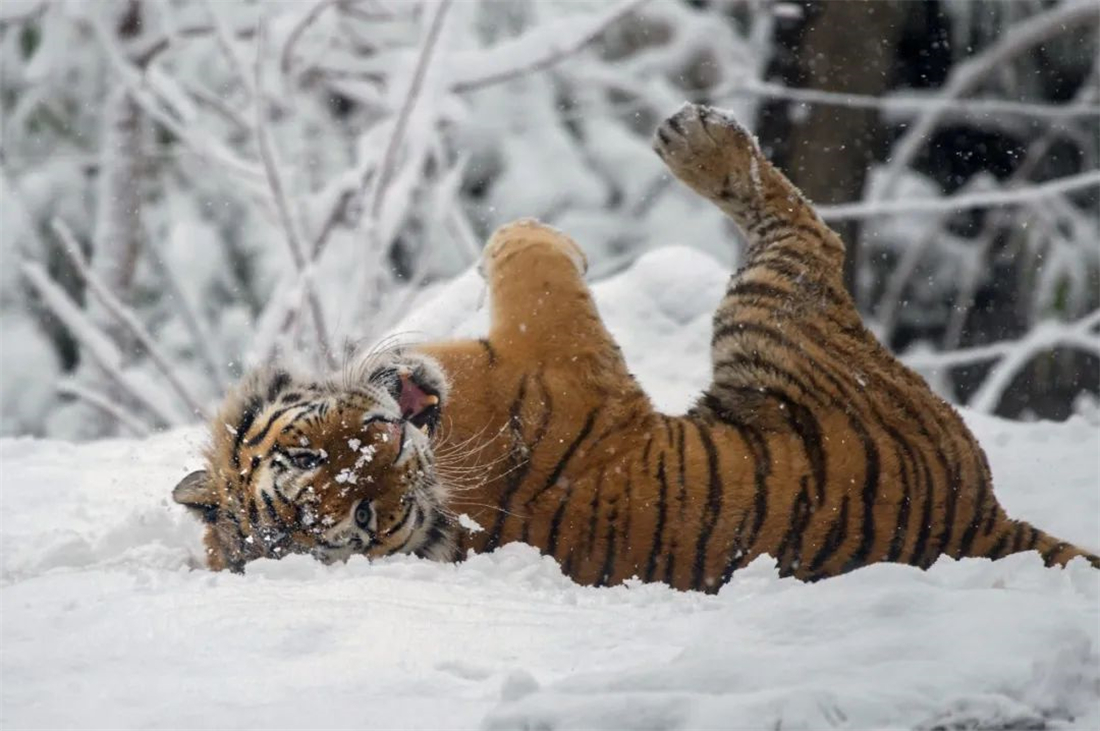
[(192, 187)]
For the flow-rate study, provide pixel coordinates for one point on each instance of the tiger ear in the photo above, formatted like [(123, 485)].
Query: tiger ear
[(197, 494)]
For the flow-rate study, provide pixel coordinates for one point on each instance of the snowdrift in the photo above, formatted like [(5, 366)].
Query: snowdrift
[(108, 622)]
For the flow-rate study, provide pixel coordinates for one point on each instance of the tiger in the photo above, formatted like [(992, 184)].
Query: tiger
[(812, 444)]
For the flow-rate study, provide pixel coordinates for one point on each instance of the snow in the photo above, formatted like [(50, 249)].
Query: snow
[(108, 622)]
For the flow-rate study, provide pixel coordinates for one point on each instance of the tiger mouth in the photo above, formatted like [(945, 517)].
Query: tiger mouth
[(419, 403)]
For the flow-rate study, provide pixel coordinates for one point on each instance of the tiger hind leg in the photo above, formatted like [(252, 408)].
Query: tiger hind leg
[(720, 160), (791, 273)]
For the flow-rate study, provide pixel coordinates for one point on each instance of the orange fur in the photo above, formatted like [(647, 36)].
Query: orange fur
[(812, 444)]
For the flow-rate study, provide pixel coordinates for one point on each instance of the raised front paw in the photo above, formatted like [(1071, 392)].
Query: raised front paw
[(527, 234), (710, 151)]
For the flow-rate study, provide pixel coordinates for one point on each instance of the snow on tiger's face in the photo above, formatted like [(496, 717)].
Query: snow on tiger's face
[(327, 469)]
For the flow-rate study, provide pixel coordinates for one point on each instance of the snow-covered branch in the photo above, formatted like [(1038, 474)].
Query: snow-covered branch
[(969, 74), (144, 51), (286, 218), (1013, 355), (105, 405), (536, 50), (127, 319), (94, 343), (400, 125), (949, 204), (193, 321), (913, 105), (229, 48), (286, 56), (205, 146)]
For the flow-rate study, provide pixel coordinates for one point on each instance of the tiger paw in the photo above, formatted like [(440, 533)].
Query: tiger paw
[(711, 152), (524, 234)]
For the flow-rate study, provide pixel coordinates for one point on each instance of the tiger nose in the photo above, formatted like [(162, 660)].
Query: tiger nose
[(364, 516)]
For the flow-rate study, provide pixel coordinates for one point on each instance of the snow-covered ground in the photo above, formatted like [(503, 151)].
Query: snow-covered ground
[(107, 622)]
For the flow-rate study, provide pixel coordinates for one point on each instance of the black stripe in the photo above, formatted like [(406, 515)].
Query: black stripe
[(999, 547), (808, 430), (966, 544), (248, 415), (711, 510), (924, 530), (1032, 539), (990, 522), (668, 428), (401, 523), (901, 525), (436, 533), (490, 352), (760, 368), (951, 505), (267, 426), (766, 227), (681, 497), (761, 471), (783, 248), (608, 567), (736, 552), (662, 510), (269, 507), (1018, 538), (776, 338), (280, 380), (555, 474), (519, 469), (253, 512), (555, 522), (1052, 553), (871, 466), (761, 291), (791, 543), (594, 514), (834, 538)]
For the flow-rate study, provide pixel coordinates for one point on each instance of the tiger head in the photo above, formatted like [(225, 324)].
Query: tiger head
[(328, 469)]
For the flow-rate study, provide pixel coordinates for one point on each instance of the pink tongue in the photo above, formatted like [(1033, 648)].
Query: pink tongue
[(413, 399)]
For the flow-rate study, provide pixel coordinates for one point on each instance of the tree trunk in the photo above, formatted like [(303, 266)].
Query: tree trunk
[(118, 231), (847, 46)]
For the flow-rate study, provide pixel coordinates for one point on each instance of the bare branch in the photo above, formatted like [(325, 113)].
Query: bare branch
[(894, 103), (217, 105), (282, 205), (93, 343), (990, 199), (208, 148), (1013, 355), (126, 318), (224, 37), (889, 302), (969, 74), (189, 314), (144, 52), (109, 407), (286, 57), (389, 159), (552, 55)]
